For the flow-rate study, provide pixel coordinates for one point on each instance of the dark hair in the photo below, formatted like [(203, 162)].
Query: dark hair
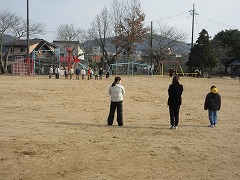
[(213, 87), (116, 79), (175, 79)]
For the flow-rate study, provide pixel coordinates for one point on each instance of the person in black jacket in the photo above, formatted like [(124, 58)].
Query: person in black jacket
[(174, 101), (213, 105)]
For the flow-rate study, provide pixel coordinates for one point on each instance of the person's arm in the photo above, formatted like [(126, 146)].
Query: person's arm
[(206, 103), (123, 90), (219, 103)]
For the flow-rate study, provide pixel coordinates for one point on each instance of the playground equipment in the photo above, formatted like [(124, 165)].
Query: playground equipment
[(80, 65), (69, 59), (130, 68), (22, 66), (42, 60), (176, 65)]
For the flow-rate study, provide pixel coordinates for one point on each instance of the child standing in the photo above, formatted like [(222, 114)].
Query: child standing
[(83, 73), (50, 72), (71, 72), (77, 73), (213, 105)]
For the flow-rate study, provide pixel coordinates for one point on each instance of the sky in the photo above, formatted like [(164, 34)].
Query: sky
[(212, 15)]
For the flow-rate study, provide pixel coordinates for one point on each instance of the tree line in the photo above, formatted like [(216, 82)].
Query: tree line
[(123, 23)]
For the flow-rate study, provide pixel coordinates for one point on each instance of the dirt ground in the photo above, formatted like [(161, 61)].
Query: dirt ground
[(56, 129)]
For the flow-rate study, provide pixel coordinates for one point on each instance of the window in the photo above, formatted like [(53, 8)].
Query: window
[(12, 50), (22, 50)]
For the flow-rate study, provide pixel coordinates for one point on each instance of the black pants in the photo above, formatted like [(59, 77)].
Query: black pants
[(113, 107), (174, 115), (57, 76)]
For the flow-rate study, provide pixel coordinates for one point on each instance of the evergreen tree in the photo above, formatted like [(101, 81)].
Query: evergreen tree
[(202, 55), (226, 45)]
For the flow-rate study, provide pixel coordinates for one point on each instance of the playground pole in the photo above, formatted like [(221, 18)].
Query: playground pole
[(162, 69)]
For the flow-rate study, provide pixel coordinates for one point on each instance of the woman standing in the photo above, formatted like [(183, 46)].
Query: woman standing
[(174, 101), (116, 91)]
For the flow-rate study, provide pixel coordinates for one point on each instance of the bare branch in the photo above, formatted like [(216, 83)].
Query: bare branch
[(67, 32)]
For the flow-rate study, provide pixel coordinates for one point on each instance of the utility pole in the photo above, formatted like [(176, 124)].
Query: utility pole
[(193, 13), (27, 28), (151, 44), (28, 57)]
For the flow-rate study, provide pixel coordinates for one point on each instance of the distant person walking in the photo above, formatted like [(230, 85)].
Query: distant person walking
[(116, 91), (213, 105), (174, 101)]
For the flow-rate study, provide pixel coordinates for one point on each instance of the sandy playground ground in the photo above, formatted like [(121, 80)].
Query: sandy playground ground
[(56, 129)]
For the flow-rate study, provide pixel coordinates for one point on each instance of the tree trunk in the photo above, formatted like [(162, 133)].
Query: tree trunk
[(225, 66), (202, 69), (2, 69)]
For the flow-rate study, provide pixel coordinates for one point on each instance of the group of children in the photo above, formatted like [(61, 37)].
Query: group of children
[(98, 74)]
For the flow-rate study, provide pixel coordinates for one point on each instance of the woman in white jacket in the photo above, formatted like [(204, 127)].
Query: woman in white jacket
[(116, 91)]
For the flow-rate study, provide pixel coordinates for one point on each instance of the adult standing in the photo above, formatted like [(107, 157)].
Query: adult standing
[(116, 91), (174, 101)]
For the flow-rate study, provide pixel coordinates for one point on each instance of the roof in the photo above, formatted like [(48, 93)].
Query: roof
[(23, 42), (235, 63), (69, 42)]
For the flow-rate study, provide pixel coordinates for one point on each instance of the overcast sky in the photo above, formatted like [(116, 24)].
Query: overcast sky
[(213, 15)]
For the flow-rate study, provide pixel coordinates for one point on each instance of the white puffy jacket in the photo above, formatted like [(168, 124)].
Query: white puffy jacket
[(116, 92)]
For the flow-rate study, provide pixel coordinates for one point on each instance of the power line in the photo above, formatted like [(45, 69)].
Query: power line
[(216, 22), (169, 17)]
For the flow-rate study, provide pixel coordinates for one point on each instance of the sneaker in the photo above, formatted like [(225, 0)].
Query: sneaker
[(212, 126), (172, 127), (175, 127)]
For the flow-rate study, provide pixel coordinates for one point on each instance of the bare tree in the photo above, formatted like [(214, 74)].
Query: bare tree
[(16, 27), (7, 20), (118, 11), (100, 31), (131, 29), (163, 38), (67, 32)]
